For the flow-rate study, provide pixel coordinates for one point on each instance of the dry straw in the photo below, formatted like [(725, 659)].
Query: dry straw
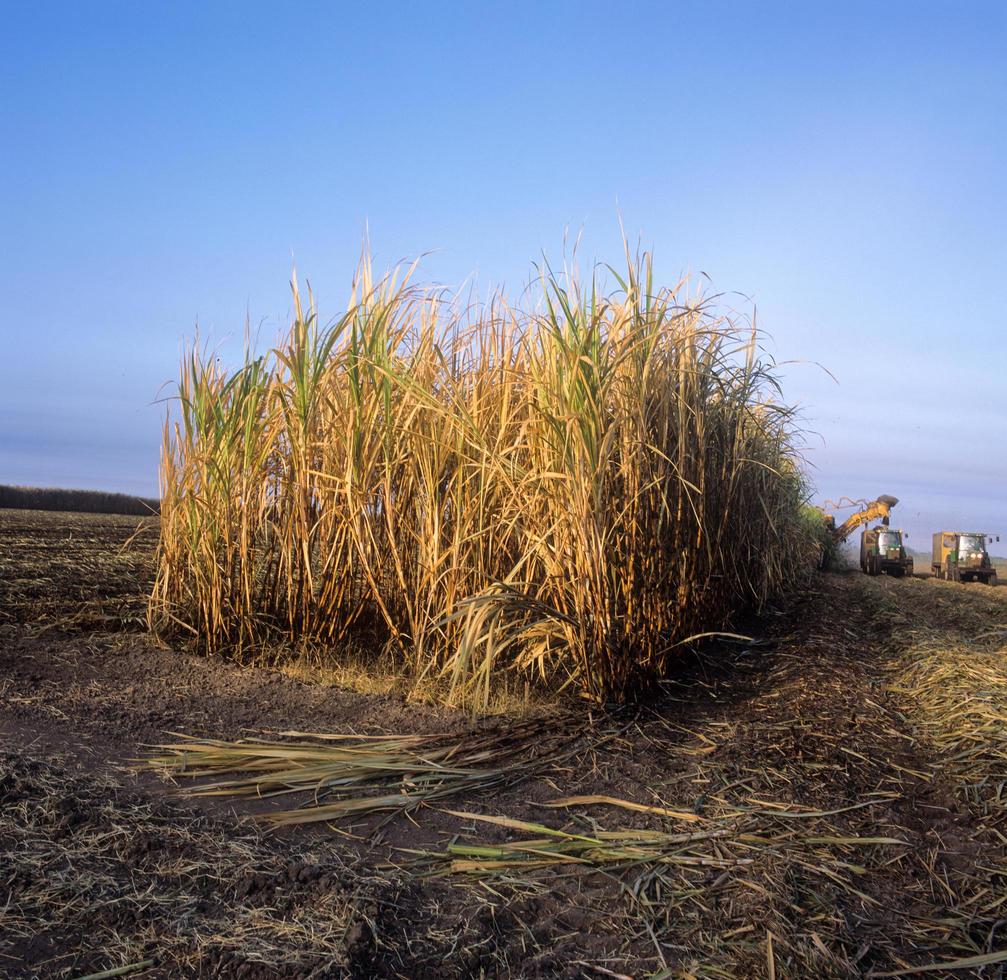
[(566, 493)]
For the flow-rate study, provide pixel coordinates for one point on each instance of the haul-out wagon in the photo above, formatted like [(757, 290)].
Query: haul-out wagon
[(962, 557), (882, 550)]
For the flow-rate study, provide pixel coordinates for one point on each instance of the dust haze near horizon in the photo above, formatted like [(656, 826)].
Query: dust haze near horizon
[(841, 170)]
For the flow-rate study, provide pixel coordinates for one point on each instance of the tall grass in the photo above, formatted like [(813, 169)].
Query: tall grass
[(565, 493)]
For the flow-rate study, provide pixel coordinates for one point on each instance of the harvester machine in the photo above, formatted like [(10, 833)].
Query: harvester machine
[(881, 549), (877, 510)]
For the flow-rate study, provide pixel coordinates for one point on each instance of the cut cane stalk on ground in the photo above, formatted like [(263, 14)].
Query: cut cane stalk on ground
[(347, 776)]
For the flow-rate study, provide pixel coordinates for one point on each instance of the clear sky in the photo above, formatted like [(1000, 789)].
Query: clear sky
[(843, 165)]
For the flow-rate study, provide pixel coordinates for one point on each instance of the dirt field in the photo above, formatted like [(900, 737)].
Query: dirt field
[(838, 798)]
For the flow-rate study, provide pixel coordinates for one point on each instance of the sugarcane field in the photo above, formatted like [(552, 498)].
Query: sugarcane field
[(492, 647), (503, 491), (825, 801)]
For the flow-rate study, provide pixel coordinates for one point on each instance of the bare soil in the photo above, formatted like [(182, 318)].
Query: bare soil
[(848, 848)]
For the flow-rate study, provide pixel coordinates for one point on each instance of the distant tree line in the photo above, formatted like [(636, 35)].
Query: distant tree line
[(83, 501)]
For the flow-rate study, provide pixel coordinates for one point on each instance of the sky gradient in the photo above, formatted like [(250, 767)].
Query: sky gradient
[(841, 167)]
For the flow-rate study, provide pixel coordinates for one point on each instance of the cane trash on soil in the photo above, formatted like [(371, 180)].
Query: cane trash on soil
[(354, 776)]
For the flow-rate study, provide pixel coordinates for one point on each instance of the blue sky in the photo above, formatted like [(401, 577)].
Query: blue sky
[(840, 164)]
